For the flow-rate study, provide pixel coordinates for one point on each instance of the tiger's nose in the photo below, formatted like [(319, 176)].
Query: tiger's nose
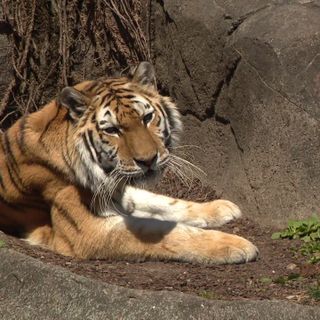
[(146, 163)]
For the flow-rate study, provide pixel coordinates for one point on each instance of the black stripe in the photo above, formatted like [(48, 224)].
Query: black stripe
[(107, 113), (161, 110), (99, 156), (8, 150), (68, 161), (167, 141), (164, 110), (66, 239), (128, 96), (137, 101), (49, 165), (150, 102), (116, 82), (124, 90), (65, 213), (11, 164), (163, 114), (15, 178), (1, 143), (97, 127), (14, 182), (48, 126), (166, 133), (105, 99), (45, 147), (90, 134), (104, 141), (169, 114), (101, 89), (112, 156), (87, 145), (1, 183)]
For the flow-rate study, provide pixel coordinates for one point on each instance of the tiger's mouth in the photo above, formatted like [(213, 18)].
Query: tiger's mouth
[(142, 172), (148, 177), (140, 177), (139, 174)]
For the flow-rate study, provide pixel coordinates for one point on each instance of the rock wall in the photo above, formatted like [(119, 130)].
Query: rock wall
[(246, 76)]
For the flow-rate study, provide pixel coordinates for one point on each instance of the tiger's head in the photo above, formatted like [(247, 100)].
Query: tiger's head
[(122, 126)]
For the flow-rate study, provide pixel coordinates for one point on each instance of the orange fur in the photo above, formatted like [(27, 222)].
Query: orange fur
[(53, 161)]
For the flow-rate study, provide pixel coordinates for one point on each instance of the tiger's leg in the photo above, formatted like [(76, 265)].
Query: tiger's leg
[(77, 232), (142, 203)]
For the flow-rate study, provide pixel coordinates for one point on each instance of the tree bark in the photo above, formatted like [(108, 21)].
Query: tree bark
[(55, 43)]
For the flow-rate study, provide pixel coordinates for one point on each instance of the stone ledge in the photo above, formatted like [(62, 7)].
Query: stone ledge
[(30, 289)]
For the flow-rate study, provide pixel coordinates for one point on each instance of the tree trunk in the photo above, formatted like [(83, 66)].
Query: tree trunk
[(54, 43)]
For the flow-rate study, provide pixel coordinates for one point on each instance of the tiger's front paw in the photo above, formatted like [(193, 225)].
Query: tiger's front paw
[(214, 213)]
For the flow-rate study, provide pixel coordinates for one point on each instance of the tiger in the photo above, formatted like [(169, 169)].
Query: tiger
[(108, 134)]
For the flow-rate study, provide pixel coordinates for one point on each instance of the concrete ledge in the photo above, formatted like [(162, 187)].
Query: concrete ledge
[(30, 289)]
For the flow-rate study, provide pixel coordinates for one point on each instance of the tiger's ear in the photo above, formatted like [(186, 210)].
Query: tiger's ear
[(144, 74), (74, 101)]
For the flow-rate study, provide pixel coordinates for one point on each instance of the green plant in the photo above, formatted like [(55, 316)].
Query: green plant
[(315, 292), (266, 280), (208, 295), (2, 243), (308, 231)]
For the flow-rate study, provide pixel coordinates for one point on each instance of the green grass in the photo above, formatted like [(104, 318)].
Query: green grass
[(315, 292), (265, 280), (2, 243), (308, 231), (208, 295)]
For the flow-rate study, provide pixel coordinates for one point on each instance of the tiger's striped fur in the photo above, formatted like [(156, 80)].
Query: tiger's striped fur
[(56, 163)]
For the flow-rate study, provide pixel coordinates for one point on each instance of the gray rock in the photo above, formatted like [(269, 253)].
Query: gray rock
[(272, 104), (187, 46), (247, 77), (30, 289)]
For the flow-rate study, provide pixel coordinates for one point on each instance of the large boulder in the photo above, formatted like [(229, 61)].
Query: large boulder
[(247, 78)]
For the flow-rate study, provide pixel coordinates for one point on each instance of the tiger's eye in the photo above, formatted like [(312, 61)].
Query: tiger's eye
[(147, 118), (111, 130)]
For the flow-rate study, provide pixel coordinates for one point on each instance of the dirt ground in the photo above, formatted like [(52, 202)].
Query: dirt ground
[(279, 273)]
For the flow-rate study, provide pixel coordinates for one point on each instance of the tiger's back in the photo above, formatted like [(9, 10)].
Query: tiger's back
[(22, 207)]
